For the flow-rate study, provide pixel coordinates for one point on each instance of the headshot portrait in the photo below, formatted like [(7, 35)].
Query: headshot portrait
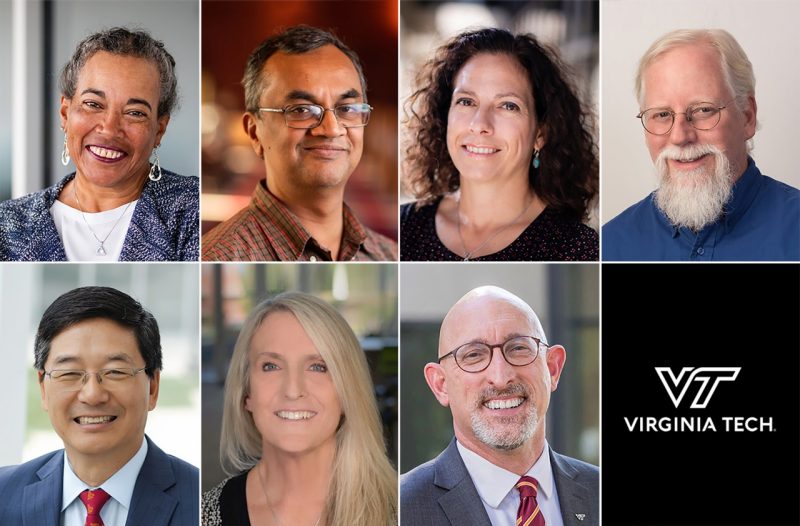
[(98, 173), (301, 427), (499, 133), (497, 438), (107, 390), (710, 97), (299, 155)]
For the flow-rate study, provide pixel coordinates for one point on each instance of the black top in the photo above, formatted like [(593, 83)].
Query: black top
[(552, 236)]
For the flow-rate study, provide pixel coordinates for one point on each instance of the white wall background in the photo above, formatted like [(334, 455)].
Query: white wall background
[(768, 32)]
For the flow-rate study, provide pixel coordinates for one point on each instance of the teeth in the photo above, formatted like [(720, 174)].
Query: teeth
[(94, 419), (503, 404), (105, 153), (295, 415), (484, 151)]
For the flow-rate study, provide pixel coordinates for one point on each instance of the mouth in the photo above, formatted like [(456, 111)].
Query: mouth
[(504, 403), (93, 420), (106, 154), (480, 150), (295, 415), (688, 162)]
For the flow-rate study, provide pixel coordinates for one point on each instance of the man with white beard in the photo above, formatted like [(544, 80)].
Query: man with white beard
[(696, 91), (499, 469)]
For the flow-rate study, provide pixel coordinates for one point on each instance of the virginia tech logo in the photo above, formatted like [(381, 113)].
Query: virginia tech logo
[(704, 376)]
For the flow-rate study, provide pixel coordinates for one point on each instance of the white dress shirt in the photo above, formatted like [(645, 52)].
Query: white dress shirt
[(495, 486), (79, 243), (119, 486)]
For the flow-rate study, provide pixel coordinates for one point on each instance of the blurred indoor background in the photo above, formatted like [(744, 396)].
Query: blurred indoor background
[(44, 35), (365, 294), (566, 300), (231, 170), (168, 291)]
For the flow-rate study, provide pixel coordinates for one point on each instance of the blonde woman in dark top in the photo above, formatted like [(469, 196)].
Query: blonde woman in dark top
[(502, 158), (301, 436)]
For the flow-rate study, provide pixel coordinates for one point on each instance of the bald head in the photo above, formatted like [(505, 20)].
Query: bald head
[(481, 309)]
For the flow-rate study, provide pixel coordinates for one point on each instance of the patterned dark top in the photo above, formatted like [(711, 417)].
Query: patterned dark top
[(226, 503), (552, 236), (268, 231), (164, 226)]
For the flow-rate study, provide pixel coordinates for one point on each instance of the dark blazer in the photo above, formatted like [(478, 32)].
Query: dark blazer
[(441, 493), (164, 226), (165, 494)]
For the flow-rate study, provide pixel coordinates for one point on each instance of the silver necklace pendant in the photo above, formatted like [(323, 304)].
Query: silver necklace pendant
[(100, 250)]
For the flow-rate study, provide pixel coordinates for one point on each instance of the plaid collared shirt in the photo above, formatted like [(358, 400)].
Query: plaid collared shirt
[(268, 231)]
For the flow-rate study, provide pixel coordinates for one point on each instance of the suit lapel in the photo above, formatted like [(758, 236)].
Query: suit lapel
[(574, 498), (461, 503), (149, 503), (43, 498)]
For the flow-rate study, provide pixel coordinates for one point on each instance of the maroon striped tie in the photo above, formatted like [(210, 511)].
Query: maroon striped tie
[(529, 513)]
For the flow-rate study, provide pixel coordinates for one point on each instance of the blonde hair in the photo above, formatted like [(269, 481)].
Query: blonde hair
[(363, 487), (736, 67)]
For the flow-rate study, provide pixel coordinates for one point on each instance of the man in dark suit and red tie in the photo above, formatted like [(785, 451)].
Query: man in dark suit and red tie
[(98, 356), (499, 469)]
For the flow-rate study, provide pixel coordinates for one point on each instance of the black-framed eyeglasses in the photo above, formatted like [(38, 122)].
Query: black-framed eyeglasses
[(75, 379), (702, 116), (474, 357), (305, 116)]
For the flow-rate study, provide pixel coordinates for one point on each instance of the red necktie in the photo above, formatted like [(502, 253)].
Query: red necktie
[(94, 499), (529, 513)]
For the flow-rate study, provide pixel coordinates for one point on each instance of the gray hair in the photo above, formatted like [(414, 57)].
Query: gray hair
[(122, 41), (294, 41), (736, 67)]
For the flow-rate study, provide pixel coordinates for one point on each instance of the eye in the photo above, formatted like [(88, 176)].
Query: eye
[(115, 374), (269, 366), (92, 104), (301, 110), (319, 367), (137, 114), (464, 102), (660, 115), (510, 106)]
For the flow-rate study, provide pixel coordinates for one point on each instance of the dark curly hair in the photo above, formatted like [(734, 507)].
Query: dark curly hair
[(568, 177)]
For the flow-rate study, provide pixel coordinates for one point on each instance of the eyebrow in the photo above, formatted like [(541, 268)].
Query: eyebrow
[(280, 356), (71, 358), (496, 96), (101, 93), (304, 95)]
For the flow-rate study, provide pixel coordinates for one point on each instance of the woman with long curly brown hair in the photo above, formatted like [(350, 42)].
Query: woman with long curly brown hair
[(500, 155)]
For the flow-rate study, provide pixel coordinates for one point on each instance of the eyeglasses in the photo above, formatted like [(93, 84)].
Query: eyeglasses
[(305, 116), (74, 379), (474, 357), (702, 116)]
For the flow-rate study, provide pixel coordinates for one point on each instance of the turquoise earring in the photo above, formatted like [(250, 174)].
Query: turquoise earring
[(536, 162)]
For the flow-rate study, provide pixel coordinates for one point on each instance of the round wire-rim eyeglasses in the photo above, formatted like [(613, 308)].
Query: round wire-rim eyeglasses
[(702, 116), (518, 351)]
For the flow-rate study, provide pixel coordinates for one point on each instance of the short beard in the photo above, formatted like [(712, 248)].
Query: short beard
[(512, 432), (693, 198)]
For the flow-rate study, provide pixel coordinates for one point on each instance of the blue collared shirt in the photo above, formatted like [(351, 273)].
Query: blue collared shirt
[(761, 223), (120, 486)]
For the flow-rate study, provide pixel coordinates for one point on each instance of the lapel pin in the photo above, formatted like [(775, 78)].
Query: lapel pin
[(580, 516)]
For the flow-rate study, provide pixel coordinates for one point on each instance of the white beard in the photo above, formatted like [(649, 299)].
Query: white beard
[(693, 198), (505, 433)]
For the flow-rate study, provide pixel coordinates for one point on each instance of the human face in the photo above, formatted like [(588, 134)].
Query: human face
[(502, 407), (292, 397), (687, 75), (307, 159), (91, 345), (112, 122), (491, 125)]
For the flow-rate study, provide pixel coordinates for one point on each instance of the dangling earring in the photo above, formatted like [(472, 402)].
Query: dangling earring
[(536, 162), (65, 151), (155, 167)]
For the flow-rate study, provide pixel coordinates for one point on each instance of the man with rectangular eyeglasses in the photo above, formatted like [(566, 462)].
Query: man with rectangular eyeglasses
[(306, 113), (495, 372), (696, 91), (98, 354)]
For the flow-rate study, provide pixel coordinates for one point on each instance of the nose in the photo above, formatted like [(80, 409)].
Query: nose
[(682, 131), (481, 122), (110, 123), (330, 126), (499, 372), (93, 392), (294, 385)]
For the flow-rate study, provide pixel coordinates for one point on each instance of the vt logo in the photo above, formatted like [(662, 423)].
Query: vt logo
[(677, 386)]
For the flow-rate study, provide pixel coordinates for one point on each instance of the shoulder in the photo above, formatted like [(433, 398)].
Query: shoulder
[(588, 475), (28, 206), (210, 510), (14, 478), (629, 217), (417, 211), (174, 190), (381, 247), (239, 238), (780, 191), (418, 481), (557, 236)]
